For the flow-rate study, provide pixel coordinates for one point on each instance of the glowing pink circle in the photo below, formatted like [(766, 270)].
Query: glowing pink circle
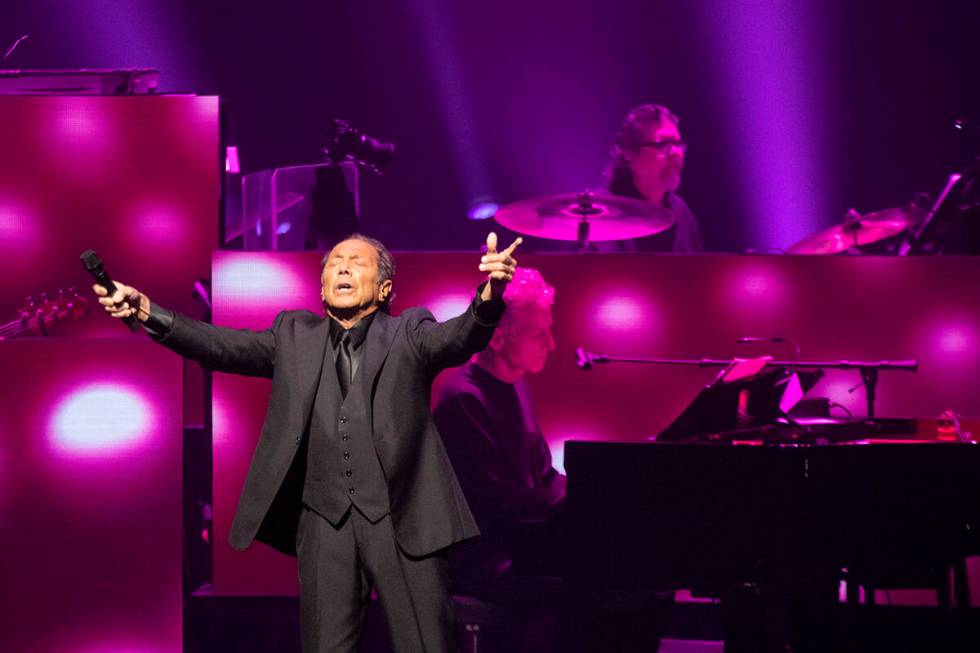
[(255, 280), (159, 224), (955, 339), (18, 226), (624, 313), (448, 306), (100, 419)]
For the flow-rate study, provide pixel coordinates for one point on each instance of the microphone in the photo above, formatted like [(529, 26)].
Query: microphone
[(93, 264), (583, 358), (751, 339)]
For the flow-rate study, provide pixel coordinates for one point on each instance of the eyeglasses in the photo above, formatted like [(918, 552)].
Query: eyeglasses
[(665, 146)]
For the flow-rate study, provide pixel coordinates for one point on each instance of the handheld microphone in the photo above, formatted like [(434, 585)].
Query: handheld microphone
[(583, 359), (751, 339), (93, 264)]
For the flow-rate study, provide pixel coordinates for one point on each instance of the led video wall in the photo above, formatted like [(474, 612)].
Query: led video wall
[(90, 440), (90, 507), (135, 178), (634, 305)]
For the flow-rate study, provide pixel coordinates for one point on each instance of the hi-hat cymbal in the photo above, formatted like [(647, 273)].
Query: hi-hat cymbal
[(585, 217), (863, 230)]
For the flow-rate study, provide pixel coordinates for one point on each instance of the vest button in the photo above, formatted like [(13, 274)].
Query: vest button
[(298, 439), (350, 490), (346, 455), (345, 437), (343, 419), (348, 473)]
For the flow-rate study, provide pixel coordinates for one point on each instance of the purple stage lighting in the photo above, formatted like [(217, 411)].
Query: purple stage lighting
[(621, 314), (435, 27), (18, 227), (769, 70), (261, 285), (159, 223), (754, 287), (101, 419), (956, 338), (483, 210), (628, 313), (79, 138), (447, 306)]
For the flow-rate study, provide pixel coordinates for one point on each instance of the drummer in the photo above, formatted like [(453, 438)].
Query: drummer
[(646, 161)]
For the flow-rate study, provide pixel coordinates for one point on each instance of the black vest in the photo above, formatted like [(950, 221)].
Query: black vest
[(342, 464)]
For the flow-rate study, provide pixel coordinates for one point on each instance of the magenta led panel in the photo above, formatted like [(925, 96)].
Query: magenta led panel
[(90, 487), (135, 178)]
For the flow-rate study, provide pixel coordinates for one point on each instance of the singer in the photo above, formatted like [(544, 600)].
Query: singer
[(350, 474)]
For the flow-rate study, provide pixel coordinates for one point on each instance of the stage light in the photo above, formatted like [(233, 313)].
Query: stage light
[(624, 313), (483, 210), (100, 419), (955, 338), (767, 53), (451, 85), (449, 305), (158, 223), (754, 287), (18, 226), (257, 279)]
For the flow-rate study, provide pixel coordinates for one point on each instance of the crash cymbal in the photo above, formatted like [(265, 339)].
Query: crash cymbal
[(585, 217), (860, 230)]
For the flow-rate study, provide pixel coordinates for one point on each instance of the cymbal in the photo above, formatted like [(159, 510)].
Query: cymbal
[(585, 217), (862, 230)]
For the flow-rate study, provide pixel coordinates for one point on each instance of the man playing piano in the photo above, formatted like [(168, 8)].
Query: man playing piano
[(486, 418)]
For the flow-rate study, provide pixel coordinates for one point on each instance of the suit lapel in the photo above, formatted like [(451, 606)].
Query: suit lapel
[(376, 347), (311, 344)]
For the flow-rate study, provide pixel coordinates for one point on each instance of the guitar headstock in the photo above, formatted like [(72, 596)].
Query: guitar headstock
[(42, 312)]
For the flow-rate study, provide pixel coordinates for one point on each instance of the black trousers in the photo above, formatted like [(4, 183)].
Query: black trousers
[(338, 565)]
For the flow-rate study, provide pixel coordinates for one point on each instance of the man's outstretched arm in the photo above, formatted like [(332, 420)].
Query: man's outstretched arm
[(236, 351)]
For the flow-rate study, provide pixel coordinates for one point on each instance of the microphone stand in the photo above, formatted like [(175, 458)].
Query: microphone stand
[(869, 370)]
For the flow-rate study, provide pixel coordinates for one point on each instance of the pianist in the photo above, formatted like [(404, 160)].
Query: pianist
[(486, 418)]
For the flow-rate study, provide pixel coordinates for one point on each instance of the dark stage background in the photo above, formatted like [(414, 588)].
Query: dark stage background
[(794, 111)]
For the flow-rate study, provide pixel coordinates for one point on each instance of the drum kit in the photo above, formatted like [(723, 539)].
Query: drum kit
[(594, 217)]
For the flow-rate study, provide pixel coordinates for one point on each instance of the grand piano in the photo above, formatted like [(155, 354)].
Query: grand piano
[(763, 511)]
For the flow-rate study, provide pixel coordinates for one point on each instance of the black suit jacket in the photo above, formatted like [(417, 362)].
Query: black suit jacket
[(402, 356)]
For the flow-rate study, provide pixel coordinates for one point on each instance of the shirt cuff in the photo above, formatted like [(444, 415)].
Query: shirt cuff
[(160, 322), (488, 311)]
